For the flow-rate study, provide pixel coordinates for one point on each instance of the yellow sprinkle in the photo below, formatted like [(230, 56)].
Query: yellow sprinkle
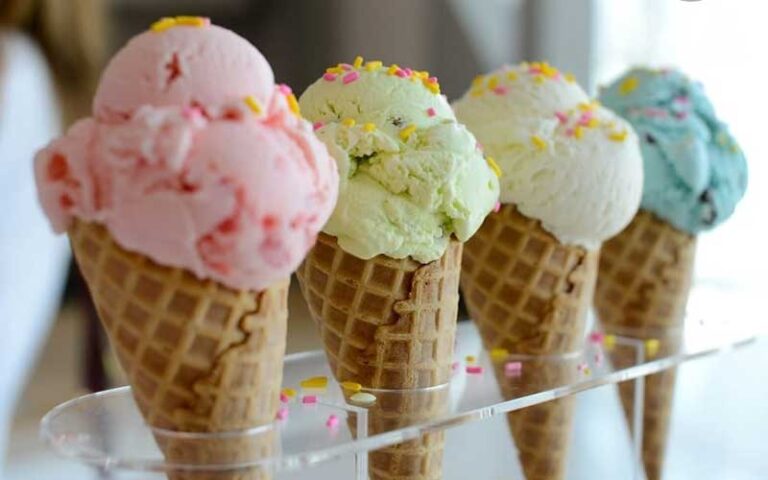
[(570, 78), (191, 21), (587, 371), (373, 66), (618, 136), (511, 76), (493, 82), (349, 122), (433, 87), (336, 70), (253, 104), (587, 107), (406, 132), (499, 353), (549, 70), (314, 382), (293, 104), (351, 386), (477, 91), (628, 85), (358, 62), (289, 392), (478, 80), (652, 347), (369, 127), (470, 359), (163, 24), (609, 341), (578, 131), (539, 142), (593, 122), (392, 69), (538, 79), (493, 165)]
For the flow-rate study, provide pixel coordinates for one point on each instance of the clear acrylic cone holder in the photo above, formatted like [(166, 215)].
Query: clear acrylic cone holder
[(105, 430)]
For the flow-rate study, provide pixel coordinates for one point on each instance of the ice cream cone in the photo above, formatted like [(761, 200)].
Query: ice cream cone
[(388, 324), (642, 289), (529, 294), (200, 357)]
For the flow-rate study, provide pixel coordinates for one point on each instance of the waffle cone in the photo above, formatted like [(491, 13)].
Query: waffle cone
[(388, 324), (200, 357), (642, 289), (529, 294)]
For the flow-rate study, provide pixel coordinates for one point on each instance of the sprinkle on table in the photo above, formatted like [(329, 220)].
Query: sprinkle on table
[(652, 347), (315, 382), (474, 369), (288, 392), (309, 399), (363, 398), (596, 337), (609, 341), (332, 422), (494, 166), (499, 353), (406, 133), (512, 369), (351, 386), (349, 122), (470, 359), (253, 104), (583, 368), (628, 85), (282, 413), (538, 142)]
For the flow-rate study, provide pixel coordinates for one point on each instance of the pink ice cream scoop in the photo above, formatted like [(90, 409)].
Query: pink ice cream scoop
[(237, 196)]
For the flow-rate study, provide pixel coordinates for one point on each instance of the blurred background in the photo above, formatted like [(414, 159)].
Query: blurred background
[(51, 52)]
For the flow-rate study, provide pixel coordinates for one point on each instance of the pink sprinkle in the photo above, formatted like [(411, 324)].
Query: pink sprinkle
[(513, 368), (479, 146), (582, 366), (284, 398), (401, 73), (284, 89), (497, 207), (569, 132), (309, 399), (282, 414), (455, 366), (431, 112), (585, 118), (346, 66), (408, 71), (332, 422), (596, 337), (681, 115), (329, 77), (206, 21), (350, 77), (432, 80), (317, 125), (598, 358), (561, 117), (474, 369), (191, 113), (500, 90)]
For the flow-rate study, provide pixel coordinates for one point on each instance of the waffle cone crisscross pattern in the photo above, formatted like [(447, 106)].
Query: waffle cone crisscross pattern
[(529, 294), (642, 289), (388, 324), (200, 357)]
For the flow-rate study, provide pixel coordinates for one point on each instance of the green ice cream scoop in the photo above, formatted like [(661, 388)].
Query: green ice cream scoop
[(411, 176)]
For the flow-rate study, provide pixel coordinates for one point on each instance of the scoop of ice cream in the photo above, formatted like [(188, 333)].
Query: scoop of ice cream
[(182, 64), (410, 175), (695, 173), (238, 199), (565, 161)]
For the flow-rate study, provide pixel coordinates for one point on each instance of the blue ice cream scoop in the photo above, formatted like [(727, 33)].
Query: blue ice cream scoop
[(695, 173)]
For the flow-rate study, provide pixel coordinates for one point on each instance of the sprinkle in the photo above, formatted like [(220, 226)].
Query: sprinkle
[(512, 76), (431, 112), (309, 399), (333, 420), (163, 24), (478, 146), (369, 127), (578, 131), (499, 353), (585, 118), (474, 369), (288, 392), (432, 85), (538, 142), (549, 70), (284, 89), (494, 166), (618, 136), (596, 337), (570, 78), (193, 21), (293, 104), (401, 73), (329, 77), (539, 79), (470, 359), (652, 347), (513, 369), (393, 69), (493, 82), (628, 85), (497, 207), (609, 341), (501, 90), (345, 66), (681, 99), (583, 368), (314, 382), (598, 358), (476, 92), (478, 81), (282, 413), (363, 398), (350, 77), (349, 122), (351, 386), (373, 65), (587, 107), (317, 126), (253, 104), (334, 70), (681, 115), (284, 398), (593, 123), (358, 62), (561, 117), (406, 132)]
